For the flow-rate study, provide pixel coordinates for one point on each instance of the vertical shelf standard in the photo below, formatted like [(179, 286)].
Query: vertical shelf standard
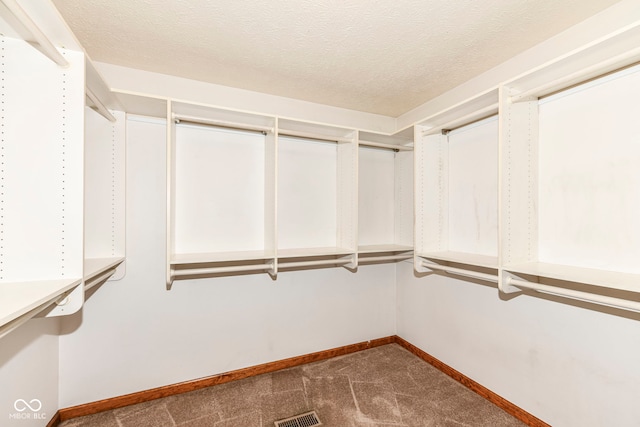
[(41, 171), (104, 197)]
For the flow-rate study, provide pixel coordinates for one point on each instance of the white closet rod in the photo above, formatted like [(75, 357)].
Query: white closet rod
[(221, 123), (477, 115), (461, 272), (88, 284), (100, 107), (577, 295), (295, 264), (581, 76), (362, 259), (310, 135), (30, 32), (387, 146), (220, 270)]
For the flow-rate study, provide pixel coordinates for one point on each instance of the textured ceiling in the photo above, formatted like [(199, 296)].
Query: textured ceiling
[(382, 56)]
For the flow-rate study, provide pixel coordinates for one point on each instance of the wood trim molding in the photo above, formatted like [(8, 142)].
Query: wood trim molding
[(472, 385), (170, 390), (55, 421)]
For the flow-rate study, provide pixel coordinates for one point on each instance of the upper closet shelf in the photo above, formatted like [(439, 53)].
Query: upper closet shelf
[(466, 112), (610, 53), (141, 104)]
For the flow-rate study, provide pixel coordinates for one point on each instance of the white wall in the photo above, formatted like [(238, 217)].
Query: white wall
[(566, 364), (28, 371), (133, 334)]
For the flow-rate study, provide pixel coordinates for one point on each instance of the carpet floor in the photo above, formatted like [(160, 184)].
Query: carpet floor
[(382, 386)]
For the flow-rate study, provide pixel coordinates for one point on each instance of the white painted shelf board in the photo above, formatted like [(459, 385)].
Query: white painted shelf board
[(589, 276), (211, 257), (311, 252), (468, 111), (372, 249), (18, 298), (143, 105), (477, 260), (618, 50), (96, 266), (402, 139), (210, 112)]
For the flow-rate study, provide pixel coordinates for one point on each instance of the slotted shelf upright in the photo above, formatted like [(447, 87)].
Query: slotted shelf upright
[(61, 231)]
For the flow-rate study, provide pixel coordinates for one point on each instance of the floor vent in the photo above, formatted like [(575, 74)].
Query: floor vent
[(308, 419)]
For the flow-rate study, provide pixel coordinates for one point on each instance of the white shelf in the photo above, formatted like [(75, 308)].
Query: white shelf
[(589, 276), (471, 110), (608, 54), (214, 257), (313, 252), (19, 298), (392, 247), (141, 104), (476, 260), (95, 266)]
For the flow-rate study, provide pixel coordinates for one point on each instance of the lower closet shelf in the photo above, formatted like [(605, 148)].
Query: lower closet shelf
[(588, 276), (20, 301)]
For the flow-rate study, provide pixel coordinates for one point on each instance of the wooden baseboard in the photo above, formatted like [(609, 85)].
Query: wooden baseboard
[(170, 390), (55, 421), (492, 397)]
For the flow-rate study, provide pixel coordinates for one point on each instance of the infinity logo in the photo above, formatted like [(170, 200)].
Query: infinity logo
[(21, 405)]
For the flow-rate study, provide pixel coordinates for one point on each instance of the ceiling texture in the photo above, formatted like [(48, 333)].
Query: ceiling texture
[(385, 57)]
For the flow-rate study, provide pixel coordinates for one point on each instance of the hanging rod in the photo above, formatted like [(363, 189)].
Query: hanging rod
[(579, 77), (573, 294), (387, 146), (220, 270), (99, 106), (363, 259), (30, 32), (481, 114), (310, 135), (221, 124), (461, 272), (295, 264), (88, 284)]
